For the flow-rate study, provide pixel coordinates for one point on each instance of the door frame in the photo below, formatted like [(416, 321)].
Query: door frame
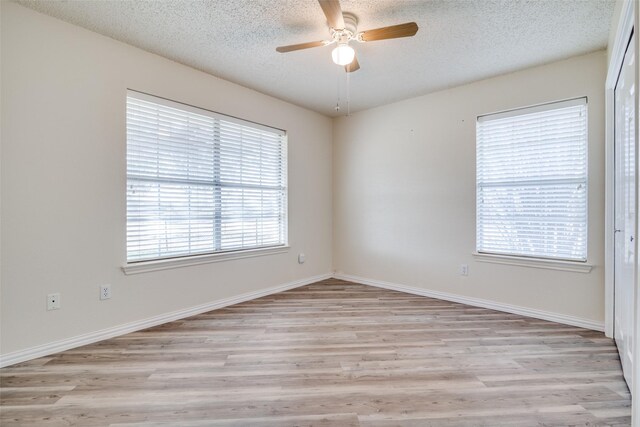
[(625, 30), (628, 21)]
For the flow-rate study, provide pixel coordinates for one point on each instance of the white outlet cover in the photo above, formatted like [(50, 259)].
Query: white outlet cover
[(464, 270), (105, 292), (302, 258), (53, 301)]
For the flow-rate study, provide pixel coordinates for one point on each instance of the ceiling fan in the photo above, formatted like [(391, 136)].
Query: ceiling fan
[(343, 28)]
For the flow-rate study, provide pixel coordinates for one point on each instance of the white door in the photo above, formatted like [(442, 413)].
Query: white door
[(625, 234)]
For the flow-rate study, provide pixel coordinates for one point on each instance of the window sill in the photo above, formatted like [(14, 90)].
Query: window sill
[(165, 264), (550, 264)]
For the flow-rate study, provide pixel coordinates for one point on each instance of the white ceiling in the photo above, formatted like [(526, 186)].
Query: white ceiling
[(459, 41)]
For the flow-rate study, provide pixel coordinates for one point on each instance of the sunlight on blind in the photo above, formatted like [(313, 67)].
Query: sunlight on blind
[(200, 182), (532, 182)]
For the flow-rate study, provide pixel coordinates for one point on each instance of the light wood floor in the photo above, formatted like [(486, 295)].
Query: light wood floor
[(329, 354)]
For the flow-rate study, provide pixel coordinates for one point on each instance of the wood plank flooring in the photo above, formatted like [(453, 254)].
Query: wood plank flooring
[(332, 353)]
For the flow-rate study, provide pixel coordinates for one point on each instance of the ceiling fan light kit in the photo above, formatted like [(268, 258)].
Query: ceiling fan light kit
[(344, 28), (343, 54)]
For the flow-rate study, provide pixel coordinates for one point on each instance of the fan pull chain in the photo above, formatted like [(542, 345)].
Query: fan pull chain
[(337, 107), (348, 95)]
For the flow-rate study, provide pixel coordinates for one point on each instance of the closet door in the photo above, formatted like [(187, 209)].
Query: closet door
[(625, 210)]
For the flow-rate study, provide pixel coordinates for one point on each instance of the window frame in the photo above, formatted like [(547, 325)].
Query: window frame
[(133, 266), (538, 261)]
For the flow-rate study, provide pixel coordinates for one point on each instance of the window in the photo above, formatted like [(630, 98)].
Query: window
[(199, 182), (532, 182)]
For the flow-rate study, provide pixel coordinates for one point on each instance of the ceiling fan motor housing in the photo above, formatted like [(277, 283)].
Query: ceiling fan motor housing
[(350, 22), (349, 32)]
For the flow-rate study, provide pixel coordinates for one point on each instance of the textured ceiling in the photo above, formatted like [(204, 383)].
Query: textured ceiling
[(459, 41)]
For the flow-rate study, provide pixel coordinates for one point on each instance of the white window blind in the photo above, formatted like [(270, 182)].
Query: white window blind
[(199, 182), (532, 182)]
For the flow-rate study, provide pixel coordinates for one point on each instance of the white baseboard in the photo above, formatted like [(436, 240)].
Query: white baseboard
[(476, 302), (91, 337)]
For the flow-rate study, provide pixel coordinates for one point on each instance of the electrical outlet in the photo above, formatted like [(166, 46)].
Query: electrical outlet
[(302, 258), (53, 301), (105, 292), (464, 270)]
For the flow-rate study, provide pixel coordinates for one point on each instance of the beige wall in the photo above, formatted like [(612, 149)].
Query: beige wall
[(404, 191), (63, 183)]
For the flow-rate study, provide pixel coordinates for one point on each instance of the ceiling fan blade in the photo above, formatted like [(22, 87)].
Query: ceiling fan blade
[(292, 47), (393, 32), (354, 66), (333, 12)]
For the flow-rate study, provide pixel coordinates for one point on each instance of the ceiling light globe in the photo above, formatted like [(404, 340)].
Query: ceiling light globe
[(343, 54)]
